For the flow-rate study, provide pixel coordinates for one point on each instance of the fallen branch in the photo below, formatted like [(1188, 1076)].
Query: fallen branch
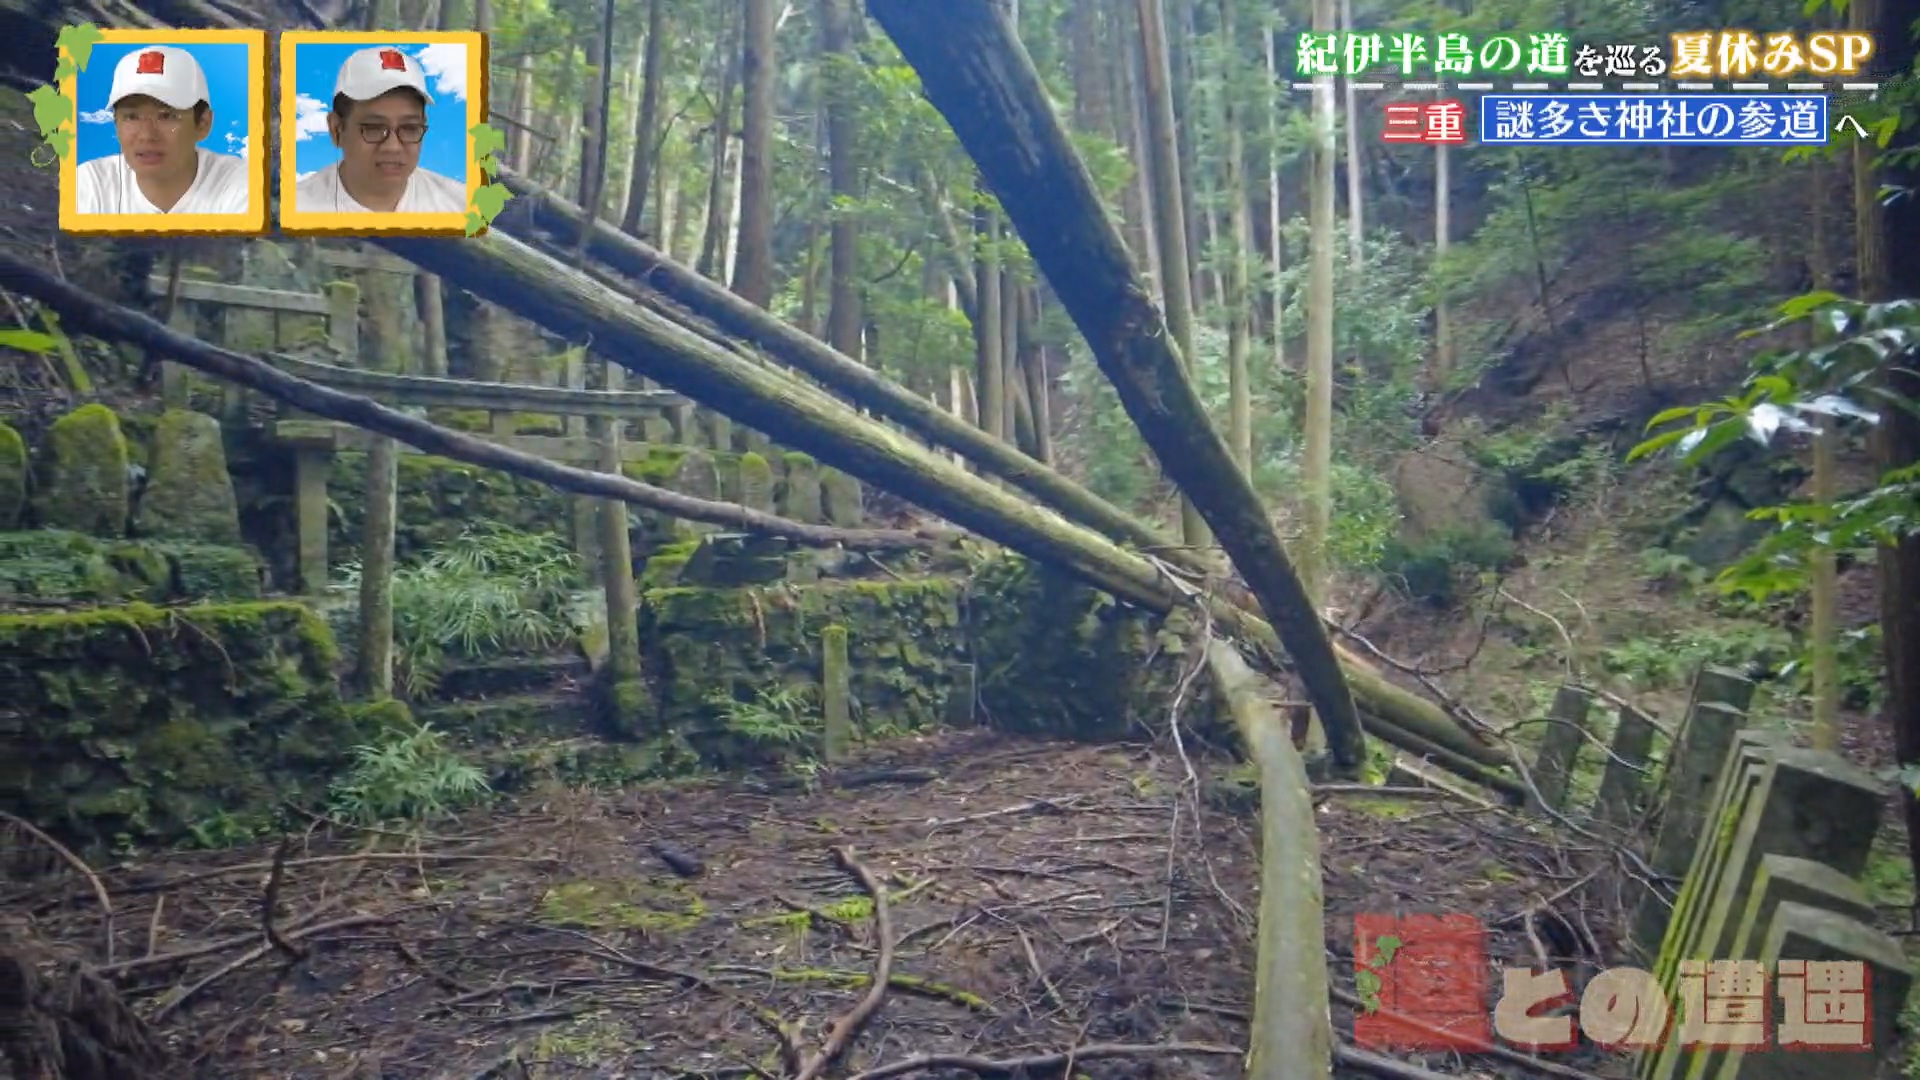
[(1467, 1044), (112, 322), (841, 1034), (1036, 1063), (183, 994), (79, 864), (270, 899)]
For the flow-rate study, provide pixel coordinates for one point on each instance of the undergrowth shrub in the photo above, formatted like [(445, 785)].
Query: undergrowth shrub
[(492, 590)]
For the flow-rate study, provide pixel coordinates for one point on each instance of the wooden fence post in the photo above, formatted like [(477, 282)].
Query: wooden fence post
[(1624, 781), (1560, 745), (616, 574)]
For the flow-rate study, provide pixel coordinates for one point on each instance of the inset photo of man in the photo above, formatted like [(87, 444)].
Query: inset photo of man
[(377, 129), (171, 134)]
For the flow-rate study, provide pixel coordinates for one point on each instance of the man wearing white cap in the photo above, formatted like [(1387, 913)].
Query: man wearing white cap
[(160, 114), (378, 119)]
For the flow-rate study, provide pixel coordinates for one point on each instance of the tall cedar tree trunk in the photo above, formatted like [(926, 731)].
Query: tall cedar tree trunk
[(976, 74), (507, 269), (1276, 242), (1821, 570), (1033, 368), (597, 121), (1169, 217), (753, 271), (1895, 274), (646, 145), (1442, 238), (713, 239), (1318, 463), (990, 388), (1356, 192), (1137, 199), (1239, 311), (843, 174), (1176, 29)]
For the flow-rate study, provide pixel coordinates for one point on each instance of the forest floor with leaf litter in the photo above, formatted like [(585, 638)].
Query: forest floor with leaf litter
[(1040, 897)]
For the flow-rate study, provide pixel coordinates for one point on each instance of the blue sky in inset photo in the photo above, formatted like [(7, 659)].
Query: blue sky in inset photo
[(228, 91), (317, 65)]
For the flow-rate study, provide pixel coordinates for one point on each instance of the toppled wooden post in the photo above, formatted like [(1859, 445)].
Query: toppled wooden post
[(1292, 1028), (1623, 783), (1560, 745), (391, 351), (836, 704), (627, 700)]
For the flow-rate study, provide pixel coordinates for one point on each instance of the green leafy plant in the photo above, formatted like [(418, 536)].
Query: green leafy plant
[(779, 716), (1366, 979), (410, 776), (491, 197), (492, 590), (52, 109)]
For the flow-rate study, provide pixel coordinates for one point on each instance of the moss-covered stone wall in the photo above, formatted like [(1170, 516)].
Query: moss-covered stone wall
[(56, 565), (141, 723), (699, 644), (1013, 645)]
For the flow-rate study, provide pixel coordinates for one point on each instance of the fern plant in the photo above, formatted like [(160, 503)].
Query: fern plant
[(491, 590), (410, 776), (775, 717)]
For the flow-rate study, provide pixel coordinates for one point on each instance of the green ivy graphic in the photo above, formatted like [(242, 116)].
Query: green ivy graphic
[(491, 196), (1366, 981), (51, 108)]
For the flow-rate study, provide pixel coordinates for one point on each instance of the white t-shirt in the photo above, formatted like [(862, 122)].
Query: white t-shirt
[(106, 185), (427, 193)]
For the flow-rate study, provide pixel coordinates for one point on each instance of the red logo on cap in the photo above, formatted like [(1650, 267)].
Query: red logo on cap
[(391, 60), (152, 63)]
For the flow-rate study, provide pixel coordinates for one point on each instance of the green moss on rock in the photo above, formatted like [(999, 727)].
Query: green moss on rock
[(13, 477), (756, 483), (86, 486), (141, 721), (189, 494), (56, 564)]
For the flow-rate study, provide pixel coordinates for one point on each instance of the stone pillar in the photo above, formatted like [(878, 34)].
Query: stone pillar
[(836, 706)]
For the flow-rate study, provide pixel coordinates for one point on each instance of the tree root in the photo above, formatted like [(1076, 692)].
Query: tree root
[(74, 1028)]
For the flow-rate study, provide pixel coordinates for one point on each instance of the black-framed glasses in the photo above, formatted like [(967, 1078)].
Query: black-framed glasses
[(376, 133)]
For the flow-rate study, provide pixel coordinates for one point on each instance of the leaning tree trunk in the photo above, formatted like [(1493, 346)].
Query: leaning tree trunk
[(976, 74), (862, 387)]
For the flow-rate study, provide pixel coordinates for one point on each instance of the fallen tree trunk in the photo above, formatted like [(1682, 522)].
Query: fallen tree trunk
[(1291, 1030), (974, 70), (851, 380), (507, 272), (647, 269), (83, 311)]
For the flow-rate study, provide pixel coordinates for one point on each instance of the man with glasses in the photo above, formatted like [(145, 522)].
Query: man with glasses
[(378, 119), (160, 114)]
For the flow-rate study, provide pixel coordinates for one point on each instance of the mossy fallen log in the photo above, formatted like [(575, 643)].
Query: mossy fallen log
[(845, 376), (1291, 1039)]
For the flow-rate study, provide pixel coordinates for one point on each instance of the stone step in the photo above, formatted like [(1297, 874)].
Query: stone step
[(511, 720), (508, 675), (580, 762)]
